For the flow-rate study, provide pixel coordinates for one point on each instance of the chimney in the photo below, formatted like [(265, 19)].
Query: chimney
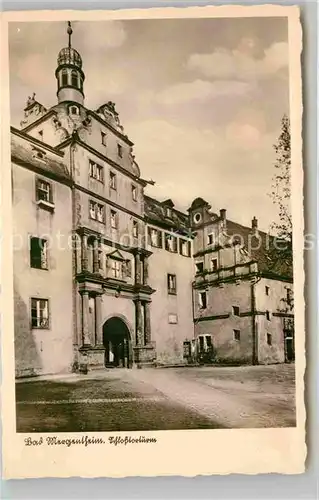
[(222, 214), (254, 225)]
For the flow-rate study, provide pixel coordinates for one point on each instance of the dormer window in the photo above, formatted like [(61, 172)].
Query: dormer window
[(168, 212)]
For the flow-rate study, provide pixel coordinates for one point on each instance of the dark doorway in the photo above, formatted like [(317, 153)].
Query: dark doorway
[(117, 343), (290, 349)]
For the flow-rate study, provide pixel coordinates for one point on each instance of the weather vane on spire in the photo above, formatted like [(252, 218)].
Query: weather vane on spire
[(69, 33)]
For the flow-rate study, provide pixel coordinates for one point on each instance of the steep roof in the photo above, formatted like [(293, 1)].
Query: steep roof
[(261, 248), (156, 213), (29, 152)]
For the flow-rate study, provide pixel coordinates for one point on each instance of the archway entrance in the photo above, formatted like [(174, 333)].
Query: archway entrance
[(117, 343)]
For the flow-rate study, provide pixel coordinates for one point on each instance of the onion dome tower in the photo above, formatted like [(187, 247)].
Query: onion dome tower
[(69, 74)]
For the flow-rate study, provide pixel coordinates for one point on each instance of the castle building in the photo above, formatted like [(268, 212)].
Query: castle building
[(105, 275)]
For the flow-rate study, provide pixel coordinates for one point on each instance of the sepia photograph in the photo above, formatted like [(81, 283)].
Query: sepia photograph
[(152, 232), (155, 231)]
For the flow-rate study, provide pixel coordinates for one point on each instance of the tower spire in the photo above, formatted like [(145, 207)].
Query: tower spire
[(69, 31)]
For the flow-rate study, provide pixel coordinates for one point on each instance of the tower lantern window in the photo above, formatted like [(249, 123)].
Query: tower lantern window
[(74, 79), (64, 77)]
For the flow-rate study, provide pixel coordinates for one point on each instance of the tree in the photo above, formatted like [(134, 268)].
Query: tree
[(281, 252)]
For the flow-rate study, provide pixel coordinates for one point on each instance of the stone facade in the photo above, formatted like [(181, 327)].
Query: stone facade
[(107, 276)]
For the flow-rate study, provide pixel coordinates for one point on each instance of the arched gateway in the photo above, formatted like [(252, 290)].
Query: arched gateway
[(117, 343)]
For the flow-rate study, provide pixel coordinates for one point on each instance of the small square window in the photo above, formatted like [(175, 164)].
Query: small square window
[(202, 300), (171, 283), (103, 138), (134, 193), (199, 267), (74, 110), (236, 334), (235, 310), (268, 315), (172, 319), (112, 180), (269, 339), (39, 313), (120, 150), (38, 253), (267, 290)]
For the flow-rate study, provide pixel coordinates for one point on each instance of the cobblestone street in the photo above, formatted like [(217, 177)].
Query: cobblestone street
[(158, 399)]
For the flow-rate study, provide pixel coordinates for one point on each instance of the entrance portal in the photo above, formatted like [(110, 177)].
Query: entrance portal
[(117, 343)]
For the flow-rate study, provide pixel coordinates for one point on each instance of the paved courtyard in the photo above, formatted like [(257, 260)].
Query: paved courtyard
[(158, 399)]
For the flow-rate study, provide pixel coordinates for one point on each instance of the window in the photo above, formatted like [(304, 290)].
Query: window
[(103, 138), (210, 239), (185, 247), (96, 171), (113, 219), (170, 243), (269, 339), (96, 211), (236, 334), (74, 78), (168, 212), (38, 253), (202, 300), (289, 296), (235, 310), (186, 349), (135, 229), (112, 180), (116, 268), (120, 150), (155, 237), (268, 315), (74, 110), (40, 133), (172, 319), (201, 344), (199, 267), (43, 191), (64, 77), (214, 264), (40, 313), (171, 283), (267, 289), (134, 193), (208, 339)]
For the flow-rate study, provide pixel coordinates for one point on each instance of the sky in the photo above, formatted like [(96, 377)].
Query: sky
[(202, 99)]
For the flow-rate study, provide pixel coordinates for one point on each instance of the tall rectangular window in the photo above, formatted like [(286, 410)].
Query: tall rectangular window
[(97, 211), (113, 219), (269, 339), (38, 253), (39, 313), (236, 334), (210, 239), (116, 268), (170, 243), (171, 284), (135, 229), (43, 191), (267, 315), (103, 138), (185, 247), (134, 193), (235, 310), (267, 290), (155, 237), (202, 299), (120, 150), (112, 180), (199, 267), (214, 264)]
